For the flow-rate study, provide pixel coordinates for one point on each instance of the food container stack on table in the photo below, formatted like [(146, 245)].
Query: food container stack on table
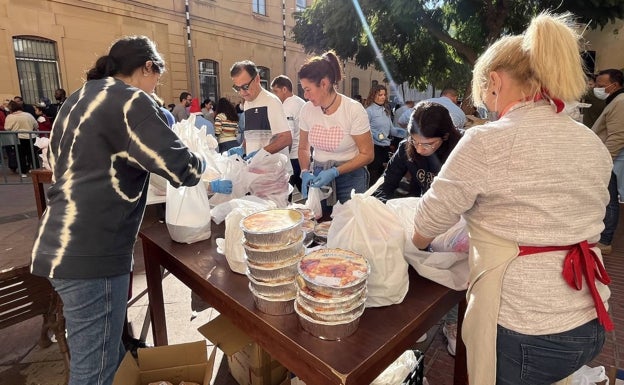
[(308, 225), (273, 246), (331, 292)]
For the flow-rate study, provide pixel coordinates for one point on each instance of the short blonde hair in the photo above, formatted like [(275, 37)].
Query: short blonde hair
[(545, 58)]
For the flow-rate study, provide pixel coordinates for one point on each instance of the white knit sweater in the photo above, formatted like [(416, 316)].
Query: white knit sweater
[(537, 178)]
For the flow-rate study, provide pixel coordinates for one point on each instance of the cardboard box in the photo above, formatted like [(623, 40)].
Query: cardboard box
[(249, 364), (173, 363)]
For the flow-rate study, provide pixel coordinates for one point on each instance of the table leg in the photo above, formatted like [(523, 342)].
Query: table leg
[(461, 369), (153, 275)]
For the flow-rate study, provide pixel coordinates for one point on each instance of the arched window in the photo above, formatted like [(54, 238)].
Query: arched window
[(208, 80), (37, 67), (265, 77), (355, 87)]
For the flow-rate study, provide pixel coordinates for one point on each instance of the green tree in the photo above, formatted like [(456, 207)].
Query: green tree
[(430, 41)]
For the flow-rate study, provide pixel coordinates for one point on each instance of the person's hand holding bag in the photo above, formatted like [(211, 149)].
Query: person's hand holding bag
[(221, 186), (306, 178), (325, 177)]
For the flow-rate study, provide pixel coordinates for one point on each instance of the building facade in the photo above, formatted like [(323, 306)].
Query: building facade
[(49, 44)]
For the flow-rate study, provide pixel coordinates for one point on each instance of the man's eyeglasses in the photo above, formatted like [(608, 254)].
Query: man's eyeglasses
[(244, 87)]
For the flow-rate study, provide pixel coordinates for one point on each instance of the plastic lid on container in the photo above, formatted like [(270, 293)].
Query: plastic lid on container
[(335, 268)]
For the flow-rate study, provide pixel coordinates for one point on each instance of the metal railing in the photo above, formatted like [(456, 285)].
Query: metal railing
[(18, 156)]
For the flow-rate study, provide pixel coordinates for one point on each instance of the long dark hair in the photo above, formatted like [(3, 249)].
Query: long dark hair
[(432, 120), (125, 56), (226, 107)]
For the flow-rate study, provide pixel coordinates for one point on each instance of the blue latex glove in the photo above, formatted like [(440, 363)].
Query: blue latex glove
[(251, 155), (221, 186), (236, 151), (306, 178), (325, 177)]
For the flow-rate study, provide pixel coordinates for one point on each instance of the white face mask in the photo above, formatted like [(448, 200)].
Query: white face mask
[(600, 93)]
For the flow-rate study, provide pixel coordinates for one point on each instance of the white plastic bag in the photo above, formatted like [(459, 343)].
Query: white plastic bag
[(315, 196), (269, 177), (589, 376), (188, 213), (187, 208), (232, 168), (446, 268), (366, 226), (396, 373)]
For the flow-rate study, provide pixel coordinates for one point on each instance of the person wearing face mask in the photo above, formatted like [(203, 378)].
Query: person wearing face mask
[(591, 113), (432, 137), (533, 209), (380, 120), (610, 129)]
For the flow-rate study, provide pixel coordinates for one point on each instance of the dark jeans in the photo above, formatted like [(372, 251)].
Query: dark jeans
[(377, 167), (295, 178), (26, 160), (541, 360), (612, 214)]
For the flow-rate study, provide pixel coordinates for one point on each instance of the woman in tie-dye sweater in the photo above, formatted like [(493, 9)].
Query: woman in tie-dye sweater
[(106, 139)]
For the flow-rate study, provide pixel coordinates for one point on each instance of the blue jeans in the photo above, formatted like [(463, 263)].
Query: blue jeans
[(94, 310), (355, 180), (612, 214), (618, 170), (541, 360)]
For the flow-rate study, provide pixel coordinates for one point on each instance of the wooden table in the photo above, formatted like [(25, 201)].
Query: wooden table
[(383, 333)]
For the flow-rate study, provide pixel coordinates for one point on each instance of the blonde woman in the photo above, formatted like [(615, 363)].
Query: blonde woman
[(534, 207)]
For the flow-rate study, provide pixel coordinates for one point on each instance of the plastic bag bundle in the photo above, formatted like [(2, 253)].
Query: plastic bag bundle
[(43, 143), (269, 177), (232, 168), (188, 209), (366, 226), (446, 268), (315, 196)]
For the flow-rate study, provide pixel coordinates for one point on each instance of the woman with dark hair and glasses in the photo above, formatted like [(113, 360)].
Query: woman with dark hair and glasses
[(107, 138), (432, 137)]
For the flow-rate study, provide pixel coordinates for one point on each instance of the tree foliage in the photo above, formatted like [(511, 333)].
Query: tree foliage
[(430, 41)]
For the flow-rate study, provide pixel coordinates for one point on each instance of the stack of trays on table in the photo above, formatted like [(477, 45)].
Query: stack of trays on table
[(274, 246), (332, 292), (309, 222)]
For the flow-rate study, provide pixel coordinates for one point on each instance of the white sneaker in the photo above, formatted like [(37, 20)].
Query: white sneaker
[(422, 338), (450, 332)]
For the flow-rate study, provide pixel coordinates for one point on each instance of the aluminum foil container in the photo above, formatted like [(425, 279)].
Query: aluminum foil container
[(334, 272), (308, 214), (334, 315), (273, 306), (320, 232), (328, 330), (323, 303), (278, 289), (274, 254), (273, 227), (271, 272), (308, 230)]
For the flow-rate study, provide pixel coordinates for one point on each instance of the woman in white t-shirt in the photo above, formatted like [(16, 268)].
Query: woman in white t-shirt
[(338, 130)]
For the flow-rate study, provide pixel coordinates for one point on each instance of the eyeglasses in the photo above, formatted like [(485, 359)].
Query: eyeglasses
[(244, 87), (425, 146)]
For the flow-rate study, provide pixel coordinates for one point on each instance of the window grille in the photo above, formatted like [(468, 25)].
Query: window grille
[(37, 68), (209, 80), (259, 7)]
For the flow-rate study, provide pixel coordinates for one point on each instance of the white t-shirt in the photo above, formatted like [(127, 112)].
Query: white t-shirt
[(292, 108), (331, 135), (265, 114)]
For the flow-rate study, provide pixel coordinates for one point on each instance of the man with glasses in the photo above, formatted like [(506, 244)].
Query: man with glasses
[(266, 125), (180, 111), (610, 128)]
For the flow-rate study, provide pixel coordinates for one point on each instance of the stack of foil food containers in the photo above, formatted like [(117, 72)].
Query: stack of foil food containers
[(331, 292), (274, 246)]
